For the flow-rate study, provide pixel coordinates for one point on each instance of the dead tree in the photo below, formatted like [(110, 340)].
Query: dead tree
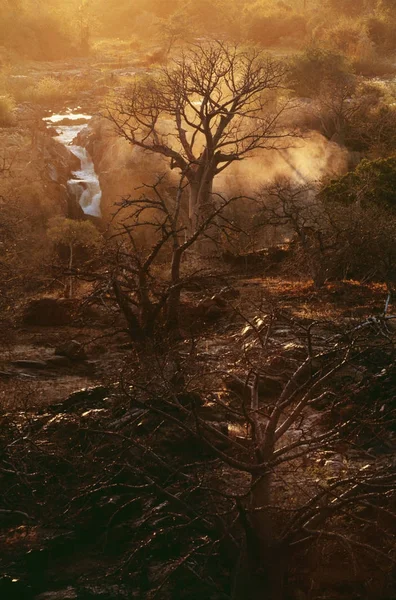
[(304, 479), (142, 295), (299, 216), (211, 107), (329, 239)]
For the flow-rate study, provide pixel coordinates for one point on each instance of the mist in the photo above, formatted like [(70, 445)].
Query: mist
[(197, 299), (306, 161)]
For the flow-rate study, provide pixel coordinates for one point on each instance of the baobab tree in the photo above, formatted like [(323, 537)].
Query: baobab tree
[(213, 106)]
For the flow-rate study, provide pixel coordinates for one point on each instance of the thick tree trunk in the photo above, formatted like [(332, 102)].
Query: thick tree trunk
[(319, 277), (200, 201), (146, 307), (201, 206), (264, 583), (263, 562)]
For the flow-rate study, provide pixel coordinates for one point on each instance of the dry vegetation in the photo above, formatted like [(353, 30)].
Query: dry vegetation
[(198, 388)]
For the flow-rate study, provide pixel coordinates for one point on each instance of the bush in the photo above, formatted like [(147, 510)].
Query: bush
[(382, 33), (316, 66), (363, 240), (346, 36), (47, 91), (7, 107), (374, 66), (38, 37), (271, 26), (372, 183), (347, 7)]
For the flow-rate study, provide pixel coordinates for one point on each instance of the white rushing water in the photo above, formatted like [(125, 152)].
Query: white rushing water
[(84, 184)]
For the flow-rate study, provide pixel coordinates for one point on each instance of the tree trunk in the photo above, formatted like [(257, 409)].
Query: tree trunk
[(263, 562), (173, 304), (319, 278), (146, 308), (264, 583), (200, 200), (135, 331), (201, 206), (70, 290)]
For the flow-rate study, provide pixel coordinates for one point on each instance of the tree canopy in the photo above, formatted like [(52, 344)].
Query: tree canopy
[(371, 183)]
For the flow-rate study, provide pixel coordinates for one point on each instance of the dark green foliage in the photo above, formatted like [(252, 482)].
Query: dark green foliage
[(315, 67), (372, 183), (373, 132)]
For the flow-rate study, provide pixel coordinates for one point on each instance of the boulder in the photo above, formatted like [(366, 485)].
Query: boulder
[(214, 312), (212, 413), (127, 418), (212, 308), (72, 350), (49, 312), (229, 293), (268, 387), (52, 131), (190, 399), (52, 173)]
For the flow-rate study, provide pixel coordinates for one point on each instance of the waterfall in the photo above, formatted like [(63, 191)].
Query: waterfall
[(86, 180), (84, 184)]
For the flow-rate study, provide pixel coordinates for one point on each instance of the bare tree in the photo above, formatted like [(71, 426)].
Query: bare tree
[(288, 438), (142, 293), (211, 107), (175, 28), (329, 238), (282, 478), (298, 215), (248, 464)]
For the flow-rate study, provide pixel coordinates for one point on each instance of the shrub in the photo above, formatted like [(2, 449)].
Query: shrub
[(36, 36), (374, 66), (382, 33), (273, 27), (316, 66), (372, 183), (7, 107), (346, 36), (47, 90)]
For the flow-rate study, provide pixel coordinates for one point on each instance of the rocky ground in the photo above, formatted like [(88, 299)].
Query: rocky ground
[(88, 477)]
